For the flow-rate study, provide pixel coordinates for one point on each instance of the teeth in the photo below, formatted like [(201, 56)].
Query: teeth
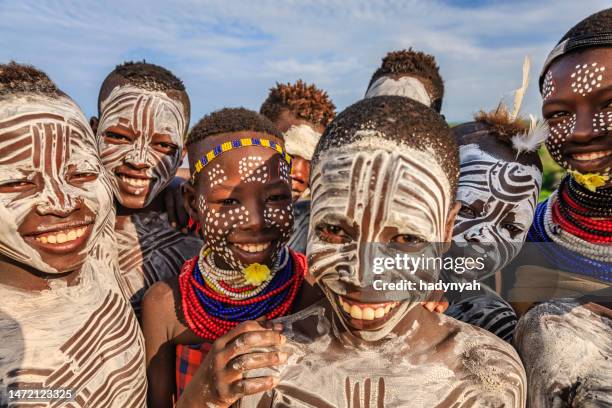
[(365, 313), (134, 181), (62, 237), (356, 312), (253, 247), (592, 155)]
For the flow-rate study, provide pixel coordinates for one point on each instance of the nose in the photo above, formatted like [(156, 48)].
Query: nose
[(255, 217), (55, 201), (137, 158), (474, 236), (583, 128)]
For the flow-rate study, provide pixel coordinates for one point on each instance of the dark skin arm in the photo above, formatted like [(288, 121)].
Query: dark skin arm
[(159, 325)]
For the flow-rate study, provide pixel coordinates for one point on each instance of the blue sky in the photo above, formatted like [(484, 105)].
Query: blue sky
[(229, 53)]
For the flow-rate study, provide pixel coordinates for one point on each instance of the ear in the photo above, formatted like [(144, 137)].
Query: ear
[(183, 153), (93, 122), (189, 200), (450, 224)]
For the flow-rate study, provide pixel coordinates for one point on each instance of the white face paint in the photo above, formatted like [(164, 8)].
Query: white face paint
[(407, 86), (498, 201), (587, 77), (54, 203), (301, 140), (374, 191), (140, 131), (548, 87)]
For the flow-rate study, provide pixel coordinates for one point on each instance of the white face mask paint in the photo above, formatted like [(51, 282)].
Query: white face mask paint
[(498, 203), (409, 193), (301, 141), (407, 86), (45, 144), (144, 114)]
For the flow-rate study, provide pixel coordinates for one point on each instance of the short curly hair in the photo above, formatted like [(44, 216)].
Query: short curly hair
[(229, 120), (414, 63), (400, 120), (304, 101), (22, 78), (146, 76)]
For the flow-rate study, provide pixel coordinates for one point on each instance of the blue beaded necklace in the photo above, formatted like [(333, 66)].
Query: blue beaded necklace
[(253, 311), (563, 258)]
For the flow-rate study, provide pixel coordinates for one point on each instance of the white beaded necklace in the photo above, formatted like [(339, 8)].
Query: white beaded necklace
[(569, 241), (212, 274)]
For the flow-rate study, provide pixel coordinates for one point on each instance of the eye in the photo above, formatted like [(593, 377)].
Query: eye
[(467, 212), (16, 186), (407, 239), (116, 138), (608, 104), (166, 148), (557, 115), (230, 201), (82, 177), (512, 229), (278, 197), (333, 234)]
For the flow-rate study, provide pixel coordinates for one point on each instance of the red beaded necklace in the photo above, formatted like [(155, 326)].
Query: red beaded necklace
[(569, 214), (209, 327)]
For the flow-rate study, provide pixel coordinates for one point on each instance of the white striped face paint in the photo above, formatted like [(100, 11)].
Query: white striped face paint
[(141, 136), (407, 86), (373, 191), (54, 199), (498, 200)]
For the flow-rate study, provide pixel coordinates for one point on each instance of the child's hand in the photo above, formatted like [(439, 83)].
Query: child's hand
[(219, 382)]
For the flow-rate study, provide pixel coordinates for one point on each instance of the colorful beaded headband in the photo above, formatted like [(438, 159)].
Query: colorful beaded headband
[(236, 144)]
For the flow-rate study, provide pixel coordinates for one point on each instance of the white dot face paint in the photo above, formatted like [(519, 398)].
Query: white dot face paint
[(587, 77), (248, 217), (53, 192), (373, 190), (498, 200), (407, 86), (141, 137), (548, 87), (578, 111)]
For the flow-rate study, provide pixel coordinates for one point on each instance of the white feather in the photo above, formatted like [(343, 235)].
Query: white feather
[(535, 137), (520, 93)]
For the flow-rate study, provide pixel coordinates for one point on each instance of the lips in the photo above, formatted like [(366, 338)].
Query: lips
[(366, 311), (253, 248), (591, 155), (61, 239)]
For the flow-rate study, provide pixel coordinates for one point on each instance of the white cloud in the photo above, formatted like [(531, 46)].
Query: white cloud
[(231, 53)]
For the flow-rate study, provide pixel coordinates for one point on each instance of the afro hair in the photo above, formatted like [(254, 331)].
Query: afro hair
[(414, 63), (143, 75), (397, 119), (501, 125), (22, 78), (304, 101), (229, 120)]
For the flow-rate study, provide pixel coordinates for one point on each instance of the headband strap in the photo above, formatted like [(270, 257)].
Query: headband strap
[(575, 43), (237, 144)]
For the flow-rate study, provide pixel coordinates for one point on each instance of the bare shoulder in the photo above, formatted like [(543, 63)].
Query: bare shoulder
[(487, 365), (160, 305)]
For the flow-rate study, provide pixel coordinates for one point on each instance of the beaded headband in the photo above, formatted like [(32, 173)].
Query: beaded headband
[(237, 144)]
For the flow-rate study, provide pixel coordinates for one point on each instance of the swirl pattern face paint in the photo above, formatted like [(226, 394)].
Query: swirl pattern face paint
[(53, 202), (141, 136), (374, 190), (498, 203)]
